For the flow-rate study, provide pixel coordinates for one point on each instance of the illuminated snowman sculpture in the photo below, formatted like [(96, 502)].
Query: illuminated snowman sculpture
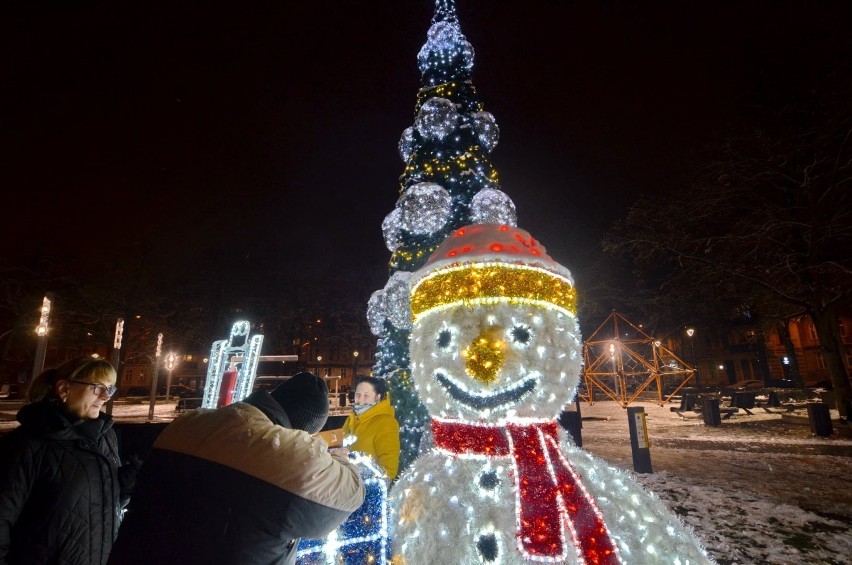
[(495, 355)]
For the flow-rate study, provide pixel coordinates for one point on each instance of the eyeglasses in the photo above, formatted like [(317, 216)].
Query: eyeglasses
[(98, 389)]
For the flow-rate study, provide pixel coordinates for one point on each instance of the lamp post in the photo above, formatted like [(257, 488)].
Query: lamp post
[(171, 361), (319, 359), (41, 333), (691, 332), (157, 354), (354, 365), (114, 357)]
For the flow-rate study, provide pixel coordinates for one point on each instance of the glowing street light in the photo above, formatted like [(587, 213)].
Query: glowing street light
[(115, 356), (171, 361), (41, 333), (153, 398), (691, 332)]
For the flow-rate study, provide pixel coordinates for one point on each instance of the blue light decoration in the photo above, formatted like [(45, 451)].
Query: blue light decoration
[(239, 352), (363, 537)]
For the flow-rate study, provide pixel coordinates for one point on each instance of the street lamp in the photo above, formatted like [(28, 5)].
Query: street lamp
[(157, 354), (319, 359), (691, 332), (354, 365), (114, 357), (171, 361), (41, 332)]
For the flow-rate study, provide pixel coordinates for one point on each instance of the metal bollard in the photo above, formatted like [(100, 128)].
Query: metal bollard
[(820, 419), (710, 412), (639, 442)]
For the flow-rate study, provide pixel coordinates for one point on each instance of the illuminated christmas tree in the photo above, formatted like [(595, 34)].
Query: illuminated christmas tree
[(448, 182)]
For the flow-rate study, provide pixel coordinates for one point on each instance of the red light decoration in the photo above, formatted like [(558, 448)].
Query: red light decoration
[(550, 496)]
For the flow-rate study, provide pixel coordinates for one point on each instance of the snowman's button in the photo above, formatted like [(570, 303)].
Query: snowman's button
[(487, 547), (489, 480)]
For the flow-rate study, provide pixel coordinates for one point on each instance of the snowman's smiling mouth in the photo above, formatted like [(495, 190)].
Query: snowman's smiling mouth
[(481, 401)]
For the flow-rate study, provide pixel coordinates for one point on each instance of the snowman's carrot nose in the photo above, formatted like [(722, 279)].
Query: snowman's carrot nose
[(485, 355)]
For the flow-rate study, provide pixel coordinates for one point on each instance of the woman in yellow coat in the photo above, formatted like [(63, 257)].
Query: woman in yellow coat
[(373, 424)]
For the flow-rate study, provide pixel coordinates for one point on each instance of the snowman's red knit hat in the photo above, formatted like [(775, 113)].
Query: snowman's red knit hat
[(490, 263)]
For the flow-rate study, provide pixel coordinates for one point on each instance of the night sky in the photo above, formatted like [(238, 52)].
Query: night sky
[(268, 131)]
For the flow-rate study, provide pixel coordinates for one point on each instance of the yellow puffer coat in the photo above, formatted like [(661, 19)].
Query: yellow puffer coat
[(377, 434)]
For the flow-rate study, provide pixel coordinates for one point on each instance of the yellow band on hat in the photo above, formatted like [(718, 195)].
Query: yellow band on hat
[(491, 282)]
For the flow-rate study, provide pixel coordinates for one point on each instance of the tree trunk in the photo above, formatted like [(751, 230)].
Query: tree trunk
[(790, 348), (828, 332)]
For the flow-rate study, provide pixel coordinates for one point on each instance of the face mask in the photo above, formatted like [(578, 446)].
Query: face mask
[(361, 408)]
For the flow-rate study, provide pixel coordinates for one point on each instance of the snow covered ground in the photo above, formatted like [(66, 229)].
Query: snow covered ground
[(758, 489)]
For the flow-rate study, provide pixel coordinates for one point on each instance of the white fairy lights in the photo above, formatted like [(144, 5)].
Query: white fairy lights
[(492, 206), (397, 307), (486, 130), (426, 207), (376, 314), (392, 228), (445, 48), (437, 118), (494, 358)]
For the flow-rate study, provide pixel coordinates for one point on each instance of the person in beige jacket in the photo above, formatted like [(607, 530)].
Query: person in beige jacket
[(241, 484)]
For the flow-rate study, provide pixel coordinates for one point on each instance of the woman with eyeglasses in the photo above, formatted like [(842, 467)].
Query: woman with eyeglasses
[(61, 485)]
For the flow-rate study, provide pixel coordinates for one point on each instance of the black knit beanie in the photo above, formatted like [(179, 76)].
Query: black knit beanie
[(304, 397)]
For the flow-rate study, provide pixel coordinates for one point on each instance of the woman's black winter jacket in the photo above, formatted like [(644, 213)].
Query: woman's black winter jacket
[(60, 493)]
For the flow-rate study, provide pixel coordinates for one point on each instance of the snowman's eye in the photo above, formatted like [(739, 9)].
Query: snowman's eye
[(520, 334), (445, 338)]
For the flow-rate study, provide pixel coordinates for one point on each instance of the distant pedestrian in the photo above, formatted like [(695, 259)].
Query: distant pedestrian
[(373, 424), (241, 484), (61, 488)]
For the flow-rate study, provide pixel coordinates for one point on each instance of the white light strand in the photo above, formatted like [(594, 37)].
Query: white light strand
[(392, 229), (493, 206), (426, 207), (376, 314), (406, 144), (486, 130), (397, 300), (445, 44), (437, 118)]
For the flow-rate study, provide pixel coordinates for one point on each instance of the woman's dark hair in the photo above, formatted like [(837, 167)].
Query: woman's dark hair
[(379, 385)]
